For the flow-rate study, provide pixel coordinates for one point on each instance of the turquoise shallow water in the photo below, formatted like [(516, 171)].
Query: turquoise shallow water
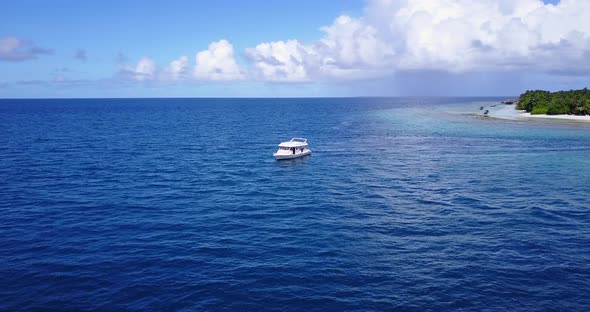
[(177, 204)]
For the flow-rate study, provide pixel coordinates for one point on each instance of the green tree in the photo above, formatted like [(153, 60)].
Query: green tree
[(563, 102)]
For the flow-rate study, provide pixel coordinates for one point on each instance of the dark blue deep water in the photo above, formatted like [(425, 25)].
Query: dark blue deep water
[(178, 204)]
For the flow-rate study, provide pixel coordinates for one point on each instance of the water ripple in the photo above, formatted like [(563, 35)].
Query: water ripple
[(177, 204)]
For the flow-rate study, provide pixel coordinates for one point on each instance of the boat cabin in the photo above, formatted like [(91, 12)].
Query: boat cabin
[(296, 147)]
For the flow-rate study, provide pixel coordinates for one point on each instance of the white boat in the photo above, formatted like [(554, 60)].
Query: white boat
[(297, 147)]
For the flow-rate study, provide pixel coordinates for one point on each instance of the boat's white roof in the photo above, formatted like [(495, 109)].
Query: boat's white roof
[(295, 142)]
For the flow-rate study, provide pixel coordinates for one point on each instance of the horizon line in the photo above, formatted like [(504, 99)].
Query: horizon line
[(263, 97)]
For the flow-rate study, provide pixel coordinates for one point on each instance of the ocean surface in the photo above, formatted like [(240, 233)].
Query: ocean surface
[(406, 204)]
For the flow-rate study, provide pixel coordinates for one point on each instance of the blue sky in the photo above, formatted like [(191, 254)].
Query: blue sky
[(290, 48)]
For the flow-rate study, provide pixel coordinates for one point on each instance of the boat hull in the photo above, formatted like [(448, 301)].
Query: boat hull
[(291, 156)]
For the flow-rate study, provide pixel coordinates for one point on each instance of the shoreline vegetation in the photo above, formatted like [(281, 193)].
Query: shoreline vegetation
[(539, 102), (508, 112), (564, 106)]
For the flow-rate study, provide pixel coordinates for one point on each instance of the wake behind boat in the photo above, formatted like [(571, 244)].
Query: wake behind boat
[(296, 147)]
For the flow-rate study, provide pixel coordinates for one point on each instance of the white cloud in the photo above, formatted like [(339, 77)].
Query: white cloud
[(444, 35), (178, 69), (217, 63), (281, 60), (350, 49), (145, 70), (457, 35), (392, 36)]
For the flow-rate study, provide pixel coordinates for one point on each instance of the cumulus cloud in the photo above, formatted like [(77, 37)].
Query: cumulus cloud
[(464, 35), (281, 60), (177, 69), (350, 49), (145, 70), (403, 36), (217, 63), (447, 35), (13, 49)]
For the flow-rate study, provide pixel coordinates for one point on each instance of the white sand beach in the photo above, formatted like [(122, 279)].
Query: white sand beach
[(509, 112), (560, 117)]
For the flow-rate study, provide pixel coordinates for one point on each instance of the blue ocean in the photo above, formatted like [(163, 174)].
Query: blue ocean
[(406, 204)]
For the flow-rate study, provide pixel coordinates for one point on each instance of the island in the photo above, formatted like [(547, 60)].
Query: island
[(538, 102)]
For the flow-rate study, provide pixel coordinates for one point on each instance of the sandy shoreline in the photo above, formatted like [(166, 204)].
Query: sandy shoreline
[(509, 112), (560, 117)]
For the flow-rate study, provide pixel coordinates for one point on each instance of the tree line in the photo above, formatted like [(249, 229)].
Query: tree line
[(573, 102)]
